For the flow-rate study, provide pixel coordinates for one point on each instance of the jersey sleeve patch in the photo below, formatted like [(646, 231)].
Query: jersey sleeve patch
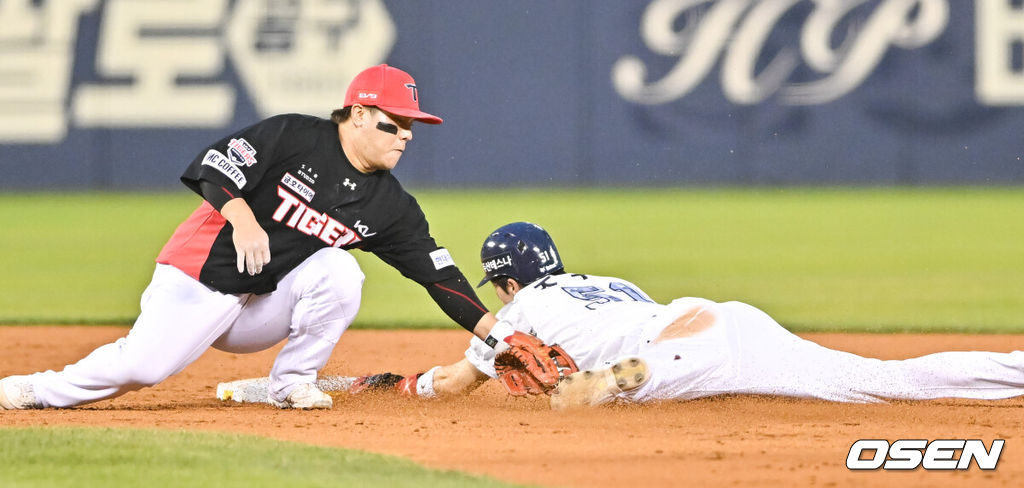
[(241, 152), (442, 259), (218, 161)]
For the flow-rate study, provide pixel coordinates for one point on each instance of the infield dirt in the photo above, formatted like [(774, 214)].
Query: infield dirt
[(733, 441)]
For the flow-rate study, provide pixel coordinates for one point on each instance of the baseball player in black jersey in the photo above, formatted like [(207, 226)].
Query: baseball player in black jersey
[(264, 256)]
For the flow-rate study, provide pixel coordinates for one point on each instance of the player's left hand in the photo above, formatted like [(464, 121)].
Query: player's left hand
[(405, 385)]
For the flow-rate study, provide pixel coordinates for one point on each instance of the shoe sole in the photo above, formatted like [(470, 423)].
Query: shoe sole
[(252, 390), (5, 404), (591, 388), (324, 402), (25, 401), (319, 404)]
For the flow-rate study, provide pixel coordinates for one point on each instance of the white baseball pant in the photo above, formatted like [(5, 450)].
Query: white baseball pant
[(312, 306), (745, 351)]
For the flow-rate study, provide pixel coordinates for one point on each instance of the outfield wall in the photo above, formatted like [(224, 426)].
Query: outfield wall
[(116, 94)]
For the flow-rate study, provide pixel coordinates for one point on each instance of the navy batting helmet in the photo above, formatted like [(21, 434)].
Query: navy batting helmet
[(520, 250)]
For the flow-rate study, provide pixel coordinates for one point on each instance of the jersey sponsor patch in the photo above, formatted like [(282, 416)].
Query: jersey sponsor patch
[(298, 187), (442, 258), (217, 160), (295, 214), (241, 152)]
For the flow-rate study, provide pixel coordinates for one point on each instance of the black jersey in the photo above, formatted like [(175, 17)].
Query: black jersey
[(306, 195)]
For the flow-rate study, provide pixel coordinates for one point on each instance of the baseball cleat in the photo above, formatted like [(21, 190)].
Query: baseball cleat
[(16, 393), (305, 396), (250, 390), (597, 387)]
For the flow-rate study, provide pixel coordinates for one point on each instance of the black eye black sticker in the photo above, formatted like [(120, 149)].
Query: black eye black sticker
[(386, 127)]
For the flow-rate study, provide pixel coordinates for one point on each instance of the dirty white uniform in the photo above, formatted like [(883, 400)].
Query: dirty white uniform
[(182, 318), (711, 348)]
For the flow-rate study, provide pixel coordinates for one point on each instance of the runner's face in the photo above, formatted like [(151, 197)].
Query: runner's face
[(504, 295)]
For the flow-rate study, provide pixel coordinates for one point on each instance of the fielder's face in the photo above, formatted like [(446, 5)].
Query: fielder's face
[(382, 138)]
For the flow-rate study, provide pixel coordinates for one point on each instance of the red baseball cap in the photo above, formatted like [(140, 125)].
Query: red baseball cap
[(389, 89)]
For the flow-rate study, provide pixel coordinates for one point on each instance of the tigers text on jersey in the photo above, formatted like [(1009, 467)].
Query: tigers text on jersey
[(293, 173), (596, 319)]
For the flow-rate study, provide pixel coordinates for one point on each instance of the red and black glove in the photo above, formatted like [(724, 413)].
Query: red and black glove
[(404, 385)]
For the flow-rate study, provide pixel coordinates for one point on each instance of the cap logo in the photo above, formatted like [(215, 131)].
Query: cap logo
[(366, 96), (412, 87)]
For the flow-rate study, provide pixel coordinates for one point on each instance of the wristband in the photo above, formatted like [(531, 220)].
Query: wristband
[(425, 384), (496, 338)]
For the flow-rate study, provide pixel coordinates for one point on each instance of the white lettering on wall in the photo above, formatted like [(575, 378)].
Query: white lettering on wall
[(153, 43), (37, 46), (737, 30), (299, 56), (999, 28), (161, 63)]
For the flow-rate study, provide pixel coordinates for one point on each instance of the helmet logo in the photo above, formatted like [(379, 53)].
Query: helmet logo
[(545, 258), (503, 261)]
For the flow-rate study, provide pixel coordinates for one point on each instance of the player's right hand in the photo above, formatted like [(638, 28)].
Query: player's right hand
[(252, 246)]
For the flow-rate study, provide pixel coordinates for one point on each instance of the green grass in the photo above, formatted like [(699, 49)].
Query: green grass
[(938, 259), (95, 457)]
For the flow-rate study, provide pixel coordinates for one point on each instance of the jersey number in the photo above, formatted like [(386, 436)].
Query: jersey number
[(600, 296)]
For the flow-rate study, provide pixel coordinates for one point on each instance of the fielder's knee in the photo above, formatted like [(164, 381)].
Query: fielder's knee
[(340, 261), (339, 271)]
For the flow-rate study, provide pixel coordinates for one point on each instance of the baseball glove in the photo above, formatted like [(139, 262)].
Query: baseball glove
[(530, 367)]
